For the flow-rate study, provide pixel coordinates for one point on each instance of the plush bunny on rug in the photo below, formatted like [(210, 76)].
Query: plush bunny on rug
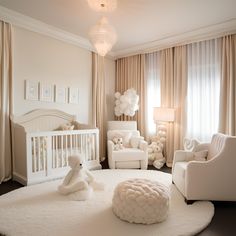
[(79, 183)]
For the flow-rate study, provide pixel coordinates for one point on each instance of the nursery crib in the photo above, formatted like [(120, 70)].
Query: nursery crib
[(40, 153)]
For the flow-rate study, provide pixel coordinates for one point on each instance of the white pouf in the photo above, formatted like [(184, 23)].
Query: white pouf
[(141, 201)]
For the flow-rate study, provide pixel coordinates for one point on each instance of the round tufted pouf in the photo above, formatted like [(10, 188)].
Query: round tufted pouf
[(141, 201)]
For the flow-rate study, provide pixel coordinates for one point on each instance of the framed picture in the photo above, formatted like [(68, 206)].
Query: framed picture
[(60, 94), (73, 95), (31, 90), (46, 92)]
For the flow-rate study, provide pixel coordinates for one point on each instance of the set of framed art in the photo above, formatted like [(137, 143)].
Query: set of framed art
[(39, 91)]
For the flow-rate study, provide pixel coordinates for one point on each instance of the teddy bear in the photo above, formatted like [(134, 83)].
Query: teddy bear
[(67, 126), (79, 183), (118, 143), (155, 156)]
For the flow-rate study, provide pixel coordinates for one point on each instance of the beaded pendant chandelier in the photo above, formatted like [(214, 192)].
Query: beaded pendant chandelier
[(103, 35)]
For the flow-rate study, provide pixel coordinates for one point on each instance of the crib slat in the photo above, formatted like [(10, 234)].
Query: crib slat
[(71, 144), (66, 145), (34, 156), (49, 155), (56, 149), (39, 153), (62, 151), (90, 141), (53, 162), (43, 152), (76, 142), (86, 147), (97, 147)]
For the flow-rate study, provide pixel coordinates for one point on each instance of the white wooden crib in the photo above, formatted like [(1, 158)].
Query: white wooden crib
[(40, 153)]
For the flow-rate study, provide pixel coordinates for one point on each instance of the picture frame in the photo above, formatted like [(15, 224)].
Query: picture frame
[(31, 90), (46, 92), (73, 95), (61, 94)]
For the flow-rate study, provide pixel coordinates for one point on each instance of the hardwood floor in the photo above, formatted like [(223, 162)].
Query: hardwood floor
[(222, 224)]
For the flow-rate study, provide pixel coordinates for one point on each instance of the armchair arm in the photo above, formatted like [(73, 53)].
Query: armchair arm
[(181, 155), (143, 145), (110, 148)]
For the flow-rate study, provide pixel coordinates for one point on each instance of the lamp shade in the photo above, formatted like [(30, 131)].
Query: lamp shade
[(163, 114), (102, 36)]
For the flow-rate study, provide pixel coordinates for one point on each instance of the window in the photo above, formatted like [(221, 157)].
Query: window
[(153, 89), (203, 89)]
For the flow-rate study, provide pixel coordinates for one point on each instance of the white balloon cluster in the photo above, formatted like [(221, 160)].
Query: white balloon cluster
[(127, 103)]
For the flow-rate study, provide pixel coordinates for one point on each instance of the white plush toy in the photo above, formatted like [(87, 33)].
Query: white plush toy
[(79, 183), (155, 156), (118, 143), (67, 126)]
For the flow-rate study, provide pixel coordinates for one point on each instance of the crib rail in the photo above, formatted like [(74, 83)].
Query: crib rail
[(48, 152)]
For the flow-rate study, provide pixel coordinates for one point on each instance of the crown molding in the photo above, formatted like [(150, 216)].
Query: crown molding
[(23, 21), (204, 33)]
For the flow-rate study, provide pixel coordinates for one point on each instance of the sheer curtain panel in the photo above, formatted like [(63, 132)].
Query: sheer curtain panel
[(5, 100), (203, 89), (153, 89)]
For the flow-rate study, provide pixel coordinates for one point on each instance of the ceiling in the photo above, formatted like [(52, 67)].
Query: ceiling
[(137, 22)]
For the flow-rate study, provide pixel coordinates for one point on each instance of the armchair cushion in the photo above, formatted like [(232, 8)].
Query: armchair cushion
[(124, 134), (197, 156), (201, 155), (135, 141), (128, 154)]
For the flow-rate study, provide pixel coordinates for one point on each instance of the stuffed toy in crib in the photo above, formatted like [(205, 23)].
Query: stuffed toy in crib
[(79, 183)]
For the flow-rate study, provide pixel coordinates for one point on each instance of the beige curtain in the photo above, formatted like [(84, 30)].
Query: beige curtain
[(180, 95), (130, 74), (99, 112), (5, 100), (173, 95), (227, 118)]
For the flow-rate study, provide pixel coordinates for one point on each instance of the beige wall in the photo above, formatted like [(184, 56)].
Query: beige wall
[(44, 59)]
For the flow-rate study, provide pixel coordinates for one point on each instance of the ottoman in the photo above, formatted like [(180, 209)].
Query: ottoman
[(141, 201)]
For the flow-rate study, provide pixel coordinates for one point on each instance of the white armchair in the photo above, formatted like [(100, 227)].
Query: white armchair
[(213, 179), (128, 157)]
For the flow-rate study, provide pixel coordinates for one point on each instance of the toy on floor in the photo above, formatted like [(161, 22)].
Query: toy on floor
[(155, 156), (79, 183)]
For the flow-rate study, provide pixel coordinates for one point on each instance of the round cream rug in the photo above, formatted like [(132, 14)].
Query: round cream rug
[(39, 210)]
